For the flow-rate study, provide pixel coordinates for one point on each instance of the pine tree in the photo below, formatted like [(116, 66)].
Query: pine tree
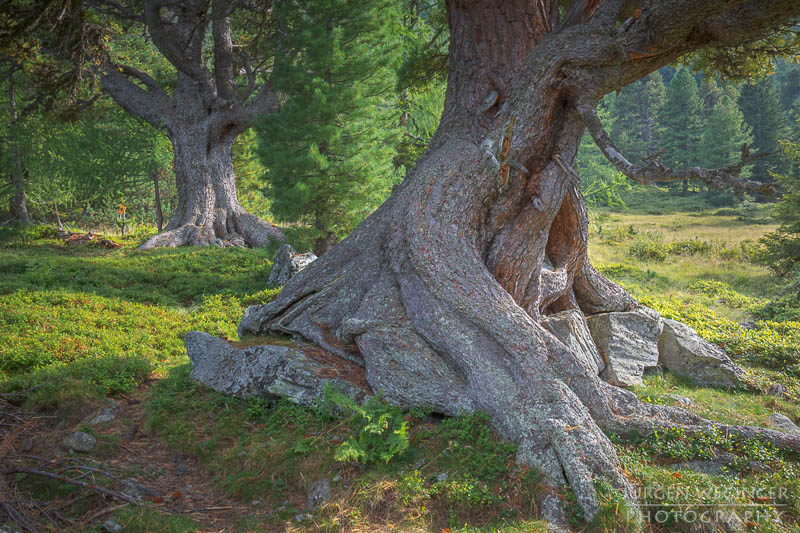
[(681, 118), (762, 111), (724, 134), (783, 245), (328, 151), (635, 111)]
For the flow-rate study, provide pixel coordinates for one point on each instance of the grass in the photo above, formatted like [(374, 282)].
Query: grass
[(85, 323)]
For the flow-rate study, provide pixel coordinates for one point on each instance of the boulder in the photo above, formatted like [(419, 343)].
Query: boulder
[(779, 390), (271, 370), (106, 415), (685, 353), (683, 401), (80, 441), (783, 423), (570, 327), (288, 263), (628, 342)]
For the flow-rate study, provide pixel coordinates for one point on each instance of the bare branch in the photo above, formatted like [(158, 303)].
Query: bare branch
[(223, 49), (69, 481), (185, 56), (151, 105), (654, 171), (143, 77)]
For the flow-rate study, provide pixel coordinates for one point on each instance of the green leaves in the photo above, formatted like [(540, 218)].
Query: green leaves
[(379, 430)]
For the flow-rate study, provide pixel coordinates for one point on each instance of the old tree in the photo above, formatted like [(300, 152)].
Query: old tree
[(213, 85), (451, 278)]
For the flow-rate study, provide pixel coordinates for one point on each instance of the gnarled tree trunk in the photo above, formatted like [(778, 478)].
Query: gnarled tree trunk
[(451, 277), (202, 118), (208, 210)]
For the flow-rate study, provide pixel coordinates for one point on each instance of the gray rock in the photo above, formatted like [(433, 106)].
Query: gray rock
[(80, 441), (683, 401), (136, 490), (570, 327), (685, 353), (779, 390), (106, 415), (266, 370), (319, 494), (111, 403), (303, 516), (628, 341), (441, 478), (288, 263), (783, 423), (112, 526)]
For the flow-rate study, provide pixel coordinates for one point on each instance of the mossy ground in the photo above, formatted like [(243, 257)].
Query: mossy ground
[(86, 323)]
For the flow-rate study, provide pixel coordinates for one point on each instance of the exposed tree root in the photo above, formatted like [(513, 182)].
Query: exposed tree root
[(233, 227)]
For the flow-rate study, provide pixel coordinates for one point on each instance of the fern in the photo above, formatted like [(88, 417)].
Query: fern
[(380, 432)]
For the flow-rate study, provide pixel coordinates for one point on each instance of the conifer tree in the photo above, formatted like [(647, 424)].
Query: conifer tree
[(682, 122), (724, 134), (761, 107), (328, 151), (636, 110)]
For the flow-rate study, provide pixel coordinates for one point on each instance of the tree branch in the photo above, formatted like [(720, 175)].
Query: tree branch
[(152, 104), (223, 49), (186, 56), (654, 171)]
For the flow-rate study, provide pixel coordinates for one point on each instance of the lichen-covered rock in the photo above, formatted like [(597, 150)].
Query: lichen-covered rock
[(270, 370), (319, 494), (570, 327), (685, 353), (783, 423), (628, 341), (288, 263), (80, 441)]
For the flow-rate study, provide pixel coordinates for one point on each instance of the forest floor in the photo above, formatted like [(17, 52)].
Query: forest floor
[(81, 325)]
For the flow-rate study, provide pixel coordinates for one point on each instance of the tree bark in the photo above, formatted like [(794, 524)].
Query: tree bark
[(157, 173), (208, 210), (18, 203), (451, 277)]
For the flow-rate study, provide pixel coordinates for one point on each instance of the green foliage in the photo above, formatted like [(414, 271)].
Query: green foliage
[(724, 135), (474, 449), (102, 320), (783, 246), (379, 430), (649, 247), (760, 105), (329, 149), (636, 129), (681, 118), (422, 109), (676, 443)]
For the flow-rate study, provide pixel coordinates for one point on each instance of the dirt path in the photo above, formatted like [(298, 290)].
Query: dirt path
[(144, 467)]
